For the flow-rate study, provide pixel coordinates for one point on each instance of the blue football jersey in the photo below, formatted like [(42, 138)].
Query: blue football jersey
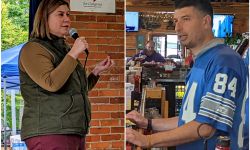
[(246, 124), (215, 94)]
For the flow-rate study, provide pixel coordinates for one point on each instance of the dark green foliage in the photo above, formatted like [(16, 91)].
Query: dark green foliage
[(15, 17)]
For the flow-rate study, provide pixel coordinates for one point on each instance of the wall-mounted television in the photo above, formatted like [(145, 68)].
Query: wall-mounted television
[(223, 25), (132, 21)]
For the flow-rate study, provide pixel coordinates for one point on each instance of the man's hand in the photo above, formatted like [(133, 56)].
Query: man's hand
[(138, 119), (136, 138)]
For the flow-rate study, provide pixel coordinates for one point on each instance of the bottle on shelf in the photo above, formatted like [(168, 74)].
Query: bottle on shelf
[(223, 143), (137, 80)]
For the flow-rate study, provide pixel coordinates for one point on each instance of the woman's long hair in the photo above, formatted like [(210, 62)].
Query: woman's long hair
[(40, 25)]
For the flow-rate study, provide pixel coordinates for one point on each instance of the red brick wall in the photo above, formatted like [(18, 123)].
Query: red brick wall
[(105, 35)]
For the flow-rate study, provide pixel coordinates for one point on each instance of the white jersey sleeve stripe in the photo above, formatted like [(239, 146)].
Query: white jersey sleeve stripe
[(222, 99), (217, 113), (217, 108), (215, 117)]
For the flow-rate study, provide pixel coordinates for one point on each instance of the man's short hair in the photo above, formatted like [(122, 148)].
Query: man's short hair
[(202, 5), (150, 41)]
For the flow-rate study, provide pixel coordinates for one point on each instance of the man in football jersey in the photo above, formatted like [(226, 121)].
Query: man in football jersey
[(246, 124), (215, 89)]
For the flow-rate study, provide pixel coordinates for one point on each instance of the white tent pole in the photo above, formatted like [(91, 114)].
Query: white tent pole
[(21, 113), (13, 111), (4, 110)]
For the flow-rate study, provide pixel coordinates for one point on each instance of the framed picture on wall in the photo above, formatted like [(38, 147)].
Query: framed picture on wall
[(140, 41)]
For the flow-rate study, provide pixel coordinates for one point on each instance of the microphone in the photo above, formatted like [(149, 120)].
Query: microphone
[(73, 33)]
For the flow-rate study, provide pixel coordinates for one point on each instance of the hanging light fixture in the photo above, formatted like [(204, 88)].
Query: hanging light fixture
[(154, 20)]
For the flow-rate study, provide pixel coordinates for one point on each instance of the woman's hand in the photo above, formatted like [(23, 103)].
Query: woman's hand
[(79, 46), (103, 66)]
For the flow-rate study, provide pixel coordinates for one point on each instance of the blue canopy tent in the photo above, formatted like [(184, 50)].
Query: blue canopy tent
[(10, 81), (9, 65)]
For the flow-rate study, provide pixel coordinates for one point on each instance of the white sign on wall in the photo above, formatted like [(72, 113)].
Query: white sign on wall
[(107, 6)]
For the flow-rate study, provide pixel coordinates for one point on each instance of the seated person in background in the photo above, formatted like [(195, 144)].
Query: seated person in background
[(148, 54)]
